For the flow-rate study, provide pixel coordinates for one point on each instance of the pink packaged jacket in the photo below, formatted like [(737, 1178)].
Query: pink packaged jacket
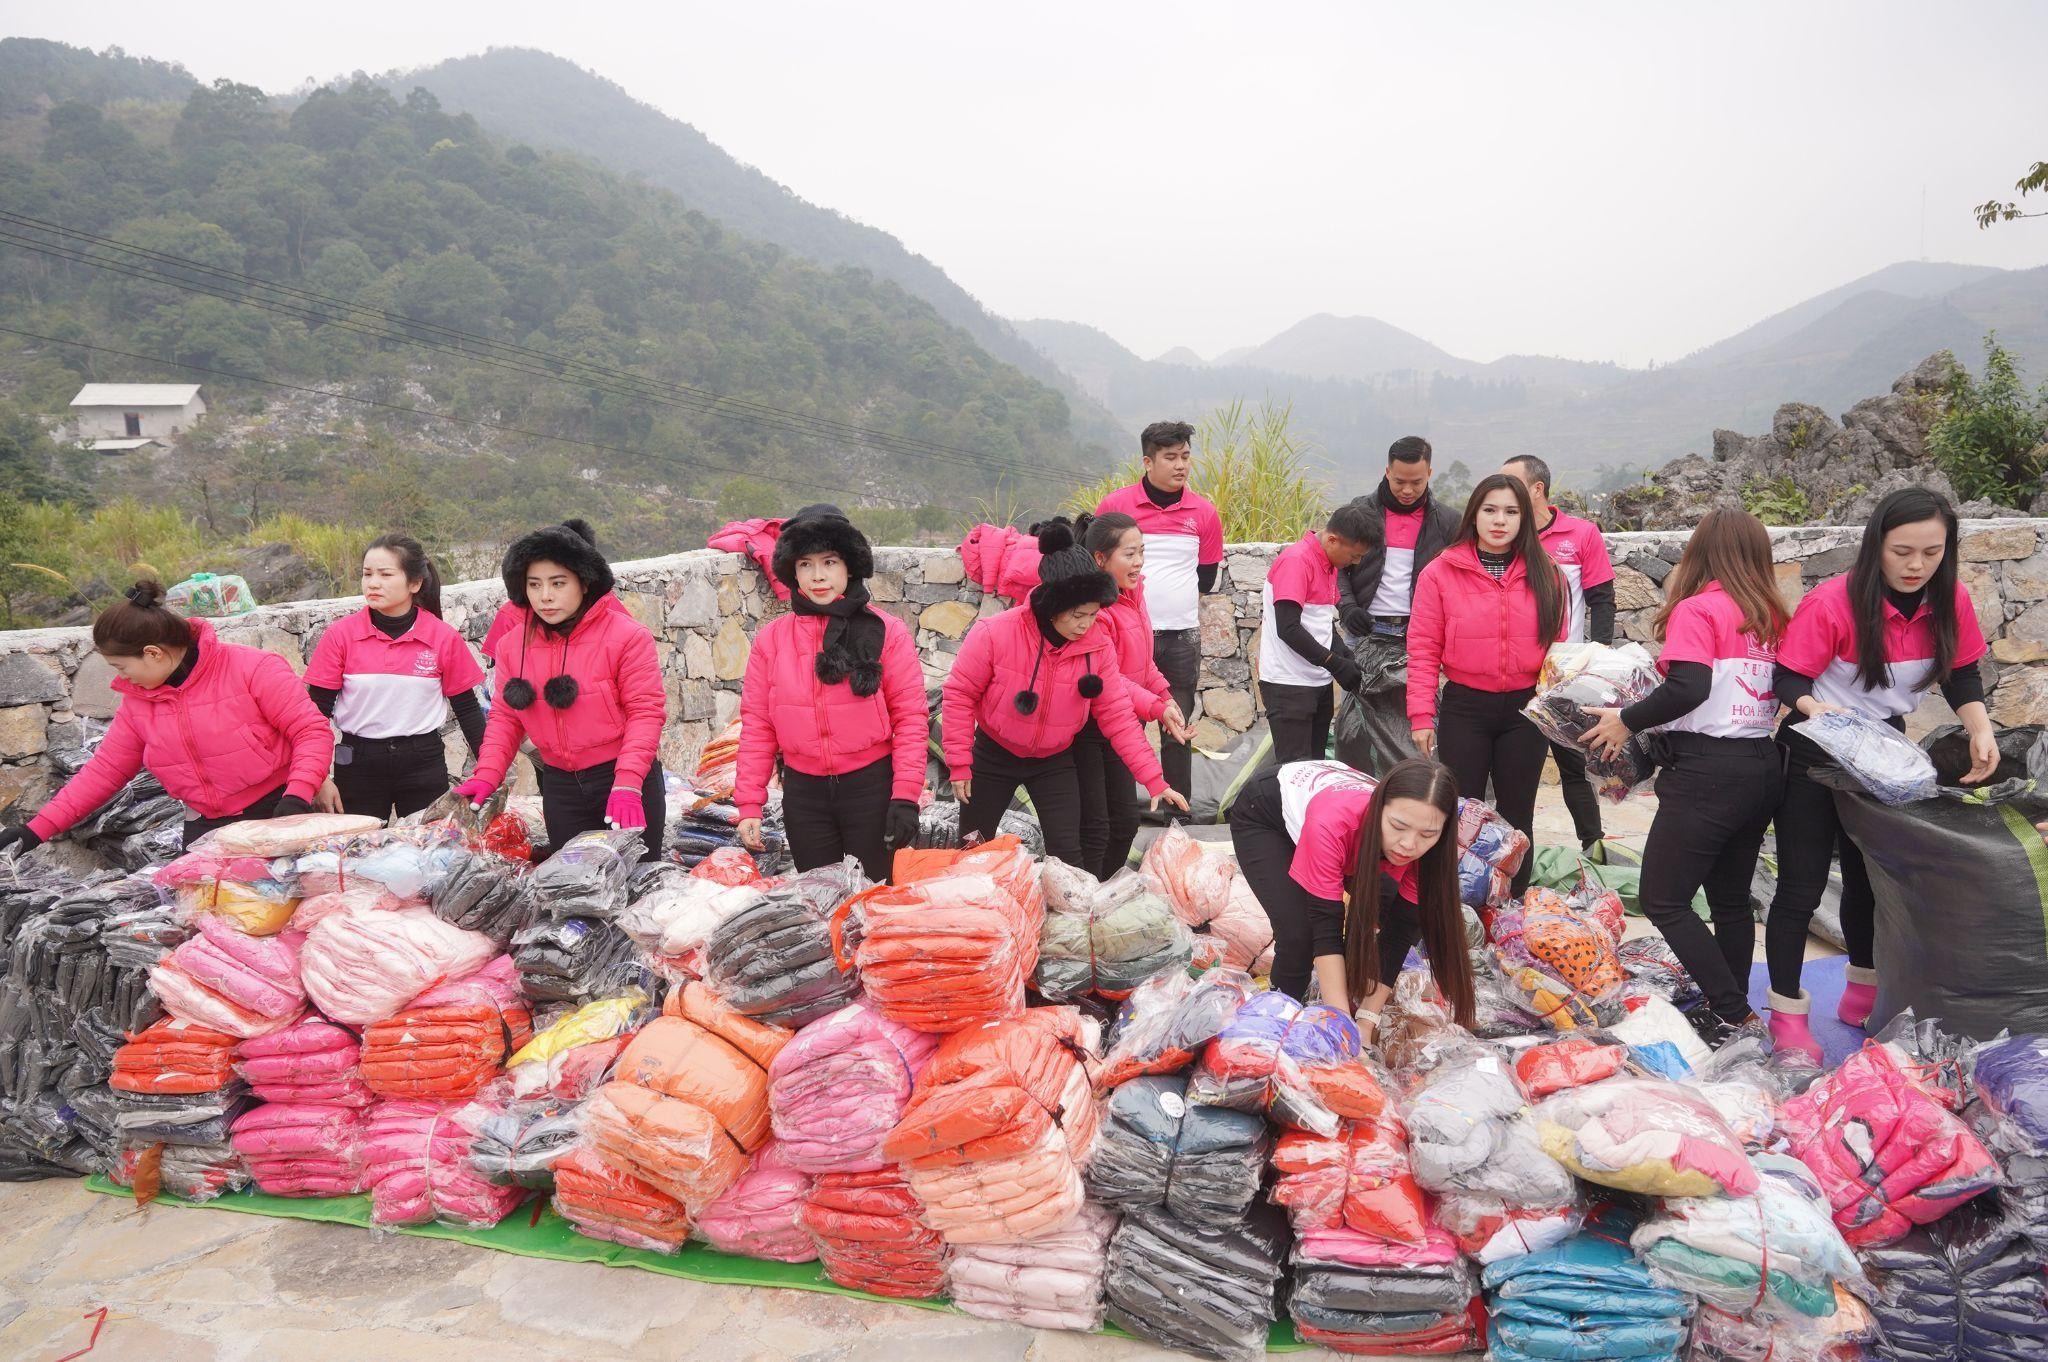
[(1001, 559), (1006, 654), (416, 1167), (366, 964), (824, 730), (231, 982), (836, 1090), (312, 1060), (760, 1215), (302, 1149), (1130, 626), (756, 539), (237, 728), (1472, 629), (1885, 1147), (1052, 1281), (621, 700)]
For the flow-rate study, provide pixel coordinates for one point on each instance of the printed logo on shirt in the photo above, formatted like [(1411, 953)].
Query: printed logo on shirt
[(426, 663), (1563, 551)]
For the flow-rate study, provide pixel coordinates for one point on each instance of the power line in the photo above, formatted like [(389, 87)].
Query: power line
[(444, 416)]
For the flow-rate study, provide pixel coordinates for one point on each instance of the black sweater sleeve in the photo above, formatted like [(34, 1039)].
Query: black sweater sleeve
[(1325, 926), (469, 717), (1205, 577), (1287, 624), (1964, 684), (324, 698), (1684, 688), (1791, 687), (1600, 612)]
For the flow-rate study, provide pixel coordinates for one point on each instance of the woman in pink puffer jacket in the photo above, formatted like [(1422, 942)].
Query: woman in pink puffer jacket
[(835, 693), (227, 730), (1026, 683)]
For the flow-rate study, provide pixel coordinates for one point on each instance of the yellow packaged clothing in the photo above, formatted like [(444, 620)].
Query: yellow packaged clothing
[(1645, 1135), (260, 909), (542, 1062)]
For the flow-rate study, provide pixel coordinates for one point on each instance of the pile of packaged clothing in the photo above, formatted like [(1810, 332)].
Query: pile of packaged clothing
[(1276, 1055), (416, 1167), (312, 1061), (761, 1214), (575, 960), (138, 827), (303, 1149), (1105, 938), (1205, 1291), (362, 965), (1645, 1135), (952, 943), (175, 1084), (672, 918), (779, 960), (230, 981), (1204, 1164), (587, 877), (1588, 1298), (1561, 957), (838, 1089), (1050, 1281), (452, 1041), (1577, 677), (602, 1202), (1490, 854), (871, 1236), (1209, 895)]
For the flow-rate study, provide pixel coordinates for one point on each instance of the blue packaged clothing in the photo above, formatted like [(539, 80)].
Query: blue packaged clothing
[(1513, 1337), (1588, 1299), (1970, 1286), (2012, 1078)]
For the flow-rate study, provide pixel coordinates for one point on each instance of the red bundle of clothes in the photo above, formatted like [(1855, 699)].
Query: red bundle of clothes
[(871, 1236), (1358, 1179), (604, 1203), (174, 1057), (452, 1041)]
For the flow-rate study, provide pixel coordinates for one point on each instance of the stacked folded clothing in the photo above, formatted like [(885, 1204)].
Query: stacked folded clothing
[(871, 1235), (1168, 1020), (778, 960), (197, 1172), (1973, 1285), (232, 982), (1203, 1291), (1105, 938), (481, 892), (417, 1171), (1052, 1281), (573, 1055), (837, 1090), (254, 893), (954, 946), (452, 1043), (760, 1216), (302, 1149), (1203, 1164), (518, 1145), (310, 1061), (1257, 1062), (1467, 1132), (574, 960), (1587, 1299), (603, 1203), (1357, 1294), (1358, 1180), (586, 877), (675, 916), (176, 1057), (363, 965), (1645, 1135), (1207, 893)]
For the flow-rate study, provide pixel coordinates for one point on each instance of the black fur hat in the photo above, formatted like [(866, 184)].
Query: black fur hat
[(818, 529), (572, 543), (1067, 574)]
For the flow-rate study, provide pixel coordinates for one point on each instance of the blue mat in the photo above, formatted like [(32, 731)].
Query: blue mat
[(1824, 980)]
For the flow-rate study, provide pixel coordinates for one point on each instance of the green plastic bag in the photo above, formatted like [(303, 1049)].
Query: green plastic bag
[(1611, 865)]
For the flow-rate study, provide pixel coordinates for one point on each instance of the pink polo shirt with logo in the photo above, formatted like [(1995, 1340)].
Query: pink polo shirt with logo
[(1580, 552), (1707, 628), (1179, 539), (392, 687), (1821, 643)]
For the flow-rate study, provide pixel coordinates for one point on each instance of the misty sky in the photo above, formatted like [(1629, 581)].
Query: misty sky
[(1601, 181)]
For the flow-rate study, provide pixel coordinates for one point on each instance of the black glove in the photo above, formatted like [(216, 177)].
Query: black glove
[(1345, 671), (21, 837), (1357, 621), (899, 829), (289, 804)]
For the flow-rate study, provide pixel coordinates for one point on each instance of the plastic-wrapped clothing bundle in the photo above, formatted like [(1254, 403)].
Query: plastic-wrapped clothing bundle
[(836, 1091), (403, 865), (197, 1172), (690, 1101), (1490, 852), (1584, 1300), (292, 835), (1577, 677), (587, 876), (518, 1145), (760, 1216), (181, 1118), (729, 866), (1562, 960), (1203, 1164), (871, 1235), (954, 948), (705, 827), (1487, 1229), (1848, 1335), (1661, 1041), (777, 961), (1645, 1135), (576, 1052), (175, 1057), (1256, 1063), (1467, 1133), (675, 918), (1774, 1255), (1884, 761), (2011, 1076), (483, 893), (1360, 1179), (256, 894), (616, 1207), (938, 823), (416, 1167), (1654, 971), (1411, 1309), (1572, 1062), (302, 1149), (717, 771), (232, 982), (1887, 1149), (312, 1060), (1748, 1080), (1971, 1286), (575, 960), (1207, 892), (443, 1053), (1000, 1122), (1168, 1019), (1202, 1291), (1050, 1281), (363, 965), (1105, 938)]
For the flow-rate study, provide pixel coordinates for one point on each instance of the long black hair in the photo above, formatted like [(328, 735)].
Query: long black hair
[(1907, 506), (1436, 886), (417, 567), (1545, 581)]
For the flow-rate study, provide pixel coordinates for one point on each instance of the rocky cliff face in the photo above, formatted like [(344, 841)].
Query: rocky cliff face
[(1808, 469)]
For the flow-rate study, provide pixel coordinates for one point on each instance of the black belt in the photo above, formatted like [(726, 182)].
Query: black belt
[(406, 743), (1707, 744)]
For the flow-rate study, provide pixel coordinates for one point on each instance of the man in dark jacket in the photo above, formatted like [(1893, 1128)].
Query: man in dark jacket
[(1373, 604)]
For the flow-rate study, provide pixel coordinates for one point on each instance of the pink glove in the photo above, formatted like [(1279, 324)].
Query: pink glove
[(476, 790), (624, 810)]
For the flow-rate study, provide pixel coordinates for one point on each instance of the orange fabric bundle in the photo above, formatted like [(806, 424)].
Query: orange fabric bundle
[(675, 1146), (871, 1235), (1348, 1088), (174, 1057), (442, 1054), (1358, 1180), (954, 946), (603, 1203)]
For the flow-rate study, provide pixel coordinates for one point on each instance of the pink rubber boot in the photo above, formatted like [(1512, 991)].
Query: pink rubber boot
[(1859, 996), (1789, 1030)]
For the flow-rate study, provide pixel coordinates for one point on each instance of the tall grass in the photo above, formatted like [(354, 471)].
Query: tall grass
[(336, 550), (1252, 465)]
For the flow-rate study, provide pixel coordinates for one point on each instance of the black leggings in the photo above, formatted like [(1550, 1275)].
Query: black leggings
[(1299, 717), (1809, 835), (1579, 796), (572, 802), (831, 817), (1052, 782), (195, 828), (383, 774), (1109, 804), (1714, 800), (1482, 735)]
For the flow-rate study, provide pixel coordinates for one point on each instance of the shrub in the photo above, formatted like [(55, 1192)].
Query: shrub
[(1990, 440)]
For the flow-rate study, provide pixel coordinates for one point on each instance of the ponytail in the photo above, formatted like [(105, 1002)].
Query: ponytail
[(140, 621), (413, 561)]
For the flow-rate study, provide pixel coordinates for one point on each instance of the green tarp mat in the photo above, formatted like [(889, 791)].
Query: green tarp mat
[(535, 1231), (1611, 865)]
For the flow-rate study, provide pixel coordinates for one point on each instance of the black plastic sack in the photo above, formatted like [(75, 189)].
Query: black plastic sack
[(1372, 731), (1216, 778), (1203, 1164)]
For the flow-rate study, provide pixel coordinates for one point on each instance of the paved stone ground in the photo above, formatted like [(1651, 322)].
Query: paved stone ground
[(184, 1285)]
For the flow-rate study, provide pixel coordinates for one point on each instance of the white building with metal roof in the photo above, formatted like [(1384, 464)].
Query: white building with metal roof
[(116, 417)]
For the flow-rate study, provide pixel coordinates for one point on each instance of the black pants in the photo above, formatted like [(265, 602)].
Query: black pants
[(1178, 655), (1052, 782), (1299, 717), (1579, 798), (572, 802), (1715, 797), (1109, 804), (378, 775), (1265, 853), (1809, 835), (830, 817), (195, 828), (1482, 736)]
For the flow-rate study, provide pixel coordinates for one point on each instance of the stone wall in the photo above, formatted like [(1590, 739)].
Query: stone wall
[(703, 607)]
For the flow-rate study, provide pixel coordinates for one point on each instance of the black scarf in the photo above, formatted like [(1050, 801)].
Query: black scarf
[(1391, 504), (852, 650)]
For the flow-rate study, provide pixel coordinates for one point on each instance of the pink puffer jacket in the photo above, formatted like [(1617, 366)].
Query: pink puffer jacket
[(621, 701), (231, 982), (1053, 1281), (759, 1216), (302, 1149), (1472, 629), (310, 1061), (416, 1167), (1130, 625), (836, 1090), (756, 539), (821, 730), (363, 965), (1001, 559), (1005, 655), (237, 728)]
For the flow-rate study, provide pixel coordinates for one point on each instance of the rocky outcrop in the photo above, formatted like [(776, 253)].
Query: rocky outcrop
[(1809, 469)]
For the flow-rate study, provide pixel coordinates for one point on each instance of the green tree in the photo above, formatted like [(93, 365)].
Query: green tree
[(1995, 211), (1990, 437), (16, 554)]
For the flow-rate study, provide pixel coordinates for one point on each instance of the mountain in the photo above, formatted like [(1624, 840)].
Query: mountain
[(1180, 354), (1909, 279), (36, 74), (541, 99), (1356, 348)]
